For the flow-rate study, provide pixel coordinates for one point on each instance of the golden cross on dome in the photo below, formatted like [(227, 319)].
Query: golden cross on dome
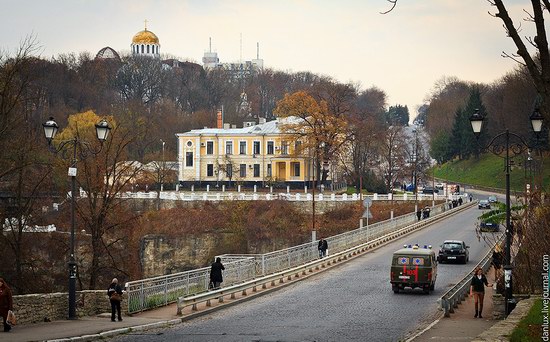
[(145, 21)]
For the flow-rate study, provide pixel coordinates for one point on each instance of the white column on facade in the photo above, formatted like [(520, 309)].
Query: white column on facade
[(197, 162)]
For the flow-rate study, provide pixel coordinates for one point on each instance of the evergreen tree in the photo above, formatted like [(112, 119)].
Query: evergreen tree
[(439, 147), (397, 115), (472, 145), (463, 143)]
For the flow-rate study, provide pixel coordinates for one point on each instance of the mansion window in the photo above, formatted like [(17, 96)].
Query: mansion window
[(270, 147), (256, 170), (296, 169), (256, 147), (209, 147), (284, 147), (242, 147), (297, 147), (229, 170), (269, 172), (229, 147), (209, 170), (242, 170), (189, 159)]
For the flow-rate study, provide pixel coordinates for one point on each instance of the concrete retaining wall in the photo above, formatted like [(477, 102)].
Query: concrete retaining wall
[(503, 329)]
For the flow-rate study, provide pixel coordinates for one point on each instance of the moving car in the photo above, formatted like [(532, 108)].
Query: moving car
[(492, 199), (484, 204), (413, 267), (486, 226), (454, 250)]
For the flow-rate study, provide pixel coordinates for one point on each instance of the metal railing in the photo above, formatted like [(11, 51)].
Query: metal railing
[(290, 257), (158, 291), (456, 294)]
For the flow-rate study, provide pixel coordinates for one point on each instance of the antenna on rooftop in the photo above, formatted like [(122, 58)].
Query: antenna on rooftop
[(241, 50), (209, 44)]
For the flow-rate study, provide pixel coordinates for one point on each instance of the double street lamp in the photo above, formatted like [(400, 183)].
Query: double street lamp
[(516, 147), (50, 130)]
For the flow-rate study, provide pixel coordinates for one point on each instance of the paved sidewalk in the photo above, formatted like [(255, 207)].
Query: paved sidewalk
[(462, 326)]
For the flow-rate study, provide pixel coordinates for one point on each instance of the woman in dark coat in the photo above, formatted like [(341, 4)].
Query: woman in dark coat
[(477, 289), (115, 304), (216, 277), (6, 303)]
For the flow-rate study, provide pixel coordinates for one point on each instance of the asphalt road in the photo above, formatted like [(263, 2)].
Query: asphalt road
[(352, 302)]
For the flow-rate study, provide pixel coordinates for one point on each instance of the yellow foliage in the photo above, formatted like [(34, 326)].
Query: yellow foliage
[(83, 125), (323, 132)]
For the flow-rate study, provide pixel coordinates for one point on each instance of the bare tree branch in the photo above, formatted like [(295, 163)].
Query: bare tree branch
[(394, 3)]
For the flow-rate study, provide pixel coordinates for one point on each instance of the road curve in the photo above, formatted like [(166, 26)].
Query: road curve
[(352, 302)]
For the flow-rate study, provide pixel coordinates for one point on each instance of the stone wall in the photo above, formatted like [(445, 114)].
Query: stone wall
[(144, 204), (162, 255), (33, 308), (502, 330)]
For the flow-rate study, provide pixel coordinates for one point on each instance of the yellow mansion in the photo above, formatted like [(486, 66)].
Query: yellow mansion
[(256, 154)]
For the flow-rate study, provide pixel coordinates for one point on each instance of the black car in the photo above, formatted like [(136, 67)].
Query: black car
[(429, 190), (454, 250), (484, 204), (486, 226)]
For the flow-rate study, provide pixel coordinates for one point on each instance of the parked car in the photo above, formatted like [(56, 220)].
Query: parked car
[(454, 250), (484, 204), (429, 190), (492, 199), (413, 267), (486, 226)]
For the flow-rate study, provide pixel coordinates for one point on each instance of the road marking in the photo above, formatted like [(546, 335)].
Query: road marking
[(425, 329)]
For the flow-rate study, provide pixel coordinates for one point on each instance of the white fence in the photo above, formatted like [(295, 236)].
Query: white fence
[(255, 196)]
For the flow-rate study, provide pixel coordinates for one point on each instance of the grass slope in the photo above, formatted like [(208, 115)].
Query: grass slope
[(489, 170)]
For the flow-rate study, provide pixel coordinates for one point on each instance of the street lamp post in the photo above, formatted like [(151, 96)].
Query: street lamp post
[(163, 167), (50, 130), (516, 148)]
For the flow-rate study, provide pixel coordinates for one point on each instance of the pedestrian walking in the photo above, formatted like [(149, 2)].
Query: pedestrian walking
[(216, 276), (6, 303), (322, 246), (115, 297), (419, 214), (477, 289), (426, 212), (460, 201)]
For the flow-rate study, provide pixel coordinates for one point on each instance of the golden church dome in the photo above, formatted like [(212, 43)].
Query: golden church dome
[(145, 37)]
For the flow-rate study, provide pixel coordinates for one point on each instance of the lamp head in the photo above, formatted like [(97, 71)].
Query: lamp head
[(536, 120), (50, 129), (476, 120), (102, 130)]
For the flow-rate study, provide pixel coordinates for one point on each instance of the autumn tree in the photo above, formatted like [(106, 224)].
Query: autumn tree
[(392, 149), (23, 170), (141, 80), (361, 153), (323, 133), (102, 177)]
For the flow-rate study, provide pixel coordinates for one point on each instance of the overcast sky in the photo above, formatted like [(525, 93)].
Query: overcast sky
[(404, 52)]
